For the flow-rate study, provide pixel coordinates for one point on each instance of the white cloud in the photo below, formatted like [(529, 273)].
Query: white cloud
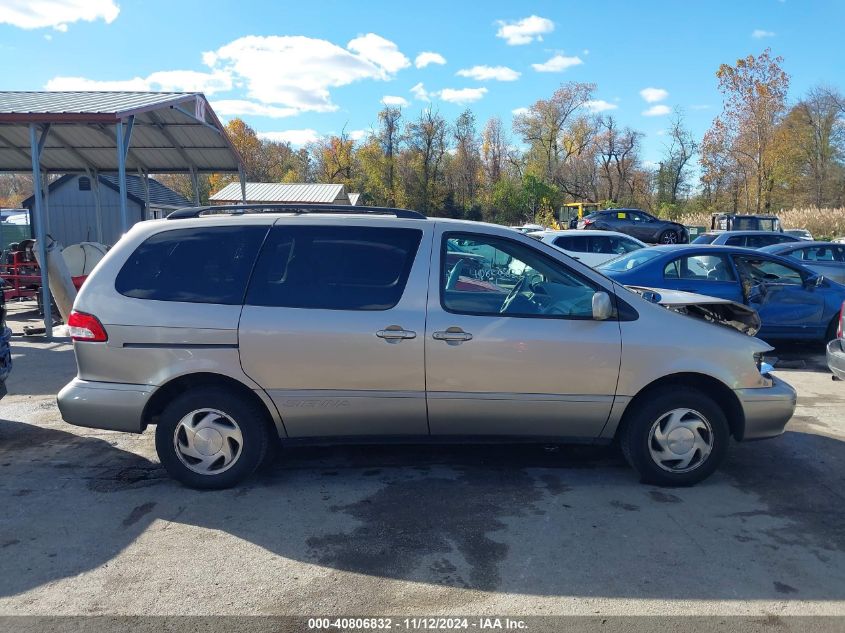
[(519, 111), (653, 95), (381, 52), (420, 92), (357, 135), (28, 14), (599, 105), (557, 64), (657, 110), (759, 34), (462, 95), (297, 71), (81, 83), (294, 137), (241, 107), (427, 57), (167, 80), (524, 31), (392, 100), (485, 73), (288, 74)]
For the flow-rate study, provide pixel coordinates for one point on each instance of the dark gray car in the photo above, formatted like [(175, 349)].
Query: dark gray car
[(638, 224), (824, 258)]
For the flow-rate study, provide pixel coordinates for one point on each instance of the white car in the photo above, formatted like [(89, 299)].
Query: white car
[(591, 247)]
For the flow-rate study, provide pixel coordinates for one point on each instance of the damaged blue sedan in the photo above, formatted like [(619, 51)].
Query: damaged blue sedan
[(794, 302)]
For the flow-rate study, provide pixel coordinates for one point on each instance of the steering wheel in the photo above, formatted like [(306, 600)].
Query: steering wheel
[(455, 275), (512, 295)]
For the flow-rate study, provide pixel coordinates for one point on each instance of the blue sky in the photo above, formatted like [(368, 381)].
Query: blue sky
[(295, 69)]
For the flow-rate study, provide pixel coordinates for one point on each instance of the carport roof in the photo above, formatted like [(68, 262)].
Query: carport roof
[(172, 132)]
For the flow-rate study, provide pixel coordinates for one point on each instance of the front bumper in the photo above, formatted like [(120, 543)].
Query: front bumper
[(836, 357), (104, 405), (767, 409)]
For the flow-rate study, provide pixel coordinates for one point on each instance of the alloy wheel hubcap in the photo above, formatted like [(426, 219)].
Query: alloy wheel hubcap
[(208, 441), (670, 238), (680, 440)]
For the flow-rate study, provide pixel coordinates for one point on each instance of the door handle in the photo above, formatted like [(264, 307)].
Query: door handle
[(394, 333), (452, 336)]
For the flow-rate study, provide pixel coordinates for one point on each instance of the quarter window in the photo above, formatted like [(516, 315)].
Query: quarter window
[(821, 254), (203, 265), (494, 276), (700, 268), (334, 268)]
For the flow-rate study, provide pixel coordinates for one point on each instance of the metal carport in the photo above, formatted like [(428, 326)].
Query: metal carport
[(92, 132)]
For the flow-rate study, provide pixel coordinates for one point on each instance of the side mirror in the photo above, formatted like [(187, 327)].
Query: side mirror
[(602, 307), (813, 281)]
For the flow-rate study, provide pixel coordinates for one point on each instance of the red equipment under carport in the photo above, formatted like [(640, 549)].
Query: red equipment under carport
[(21, 274)]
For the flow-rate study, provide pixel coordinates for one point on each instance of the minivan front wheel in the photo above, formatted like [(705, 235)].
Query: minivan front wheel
[(210, 438), (675, 438)]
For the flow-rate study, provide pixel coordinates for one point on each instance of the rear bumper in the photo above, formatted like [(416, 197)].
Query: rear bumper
[(767, 410), (836, 357), (5, 358), (104, 405)]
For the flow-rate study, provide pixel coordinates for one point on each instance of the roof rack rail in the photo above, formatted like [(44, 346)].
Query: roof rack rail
[(290, 207)]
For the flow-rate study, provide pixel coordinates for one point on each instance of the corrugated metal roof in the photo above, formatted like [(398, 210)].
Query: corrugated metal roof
[(160, 196), (172, 133), (282, 192), (87, 102)]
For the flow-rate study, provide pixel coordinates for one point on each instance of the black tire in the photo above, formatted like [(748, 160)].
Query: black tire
[(250, 419), (669, 237), (638, 423)]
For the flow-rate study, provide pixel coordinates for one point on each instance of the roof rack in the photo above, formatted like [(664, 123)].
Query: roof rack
[(295, 208)]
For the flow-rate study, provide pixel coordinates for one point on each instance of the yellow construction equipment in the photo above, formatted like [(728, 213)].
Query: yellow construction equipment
[(575, 211)]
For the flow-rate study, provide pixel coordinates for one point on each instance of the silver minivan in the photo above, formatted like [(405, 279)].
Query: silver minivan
[(231, 327)]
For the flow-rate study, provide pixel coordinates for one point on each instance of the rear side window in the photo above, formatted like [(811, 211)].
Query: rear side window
[(334, 268), (202, 265), (574, 243), (736, 240), (700, 268)]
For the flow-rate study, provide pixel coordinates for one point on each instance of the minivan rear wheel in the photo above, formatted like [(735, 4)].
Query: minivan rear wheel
[(675, 437), (211, 439)]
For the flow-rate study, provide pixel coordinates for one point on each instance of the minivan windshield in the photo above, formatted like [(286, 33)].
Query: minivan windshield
[(629, 260)]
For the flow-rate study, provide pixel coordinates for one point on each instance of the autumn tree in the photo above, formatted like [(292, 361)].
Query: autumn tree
[(426, 138), (465, 165), (754, 92), (673, 173), (389, 139), (550, 127)]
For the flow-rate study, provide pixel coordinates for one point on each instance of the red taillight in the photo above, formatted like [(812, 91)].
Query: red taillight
[(86, 327), (841, 329)]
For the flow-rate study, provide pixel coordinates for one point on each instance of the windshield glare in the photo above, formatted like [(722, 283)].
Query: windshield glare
[(629, 261)]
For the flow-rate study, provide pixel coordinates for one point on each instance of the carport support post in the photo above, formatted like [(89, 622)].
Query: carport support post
[(242, 178), (36, 145), (124, 136), (94, 175), (196, 186)]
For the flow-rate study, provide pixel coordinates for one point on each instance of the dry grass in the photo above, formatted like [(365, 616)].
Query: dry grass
[(824, 223)]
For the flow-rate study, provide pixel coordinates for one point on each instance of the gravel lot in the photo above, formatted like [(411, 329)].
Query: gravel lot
[(92, 525)]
